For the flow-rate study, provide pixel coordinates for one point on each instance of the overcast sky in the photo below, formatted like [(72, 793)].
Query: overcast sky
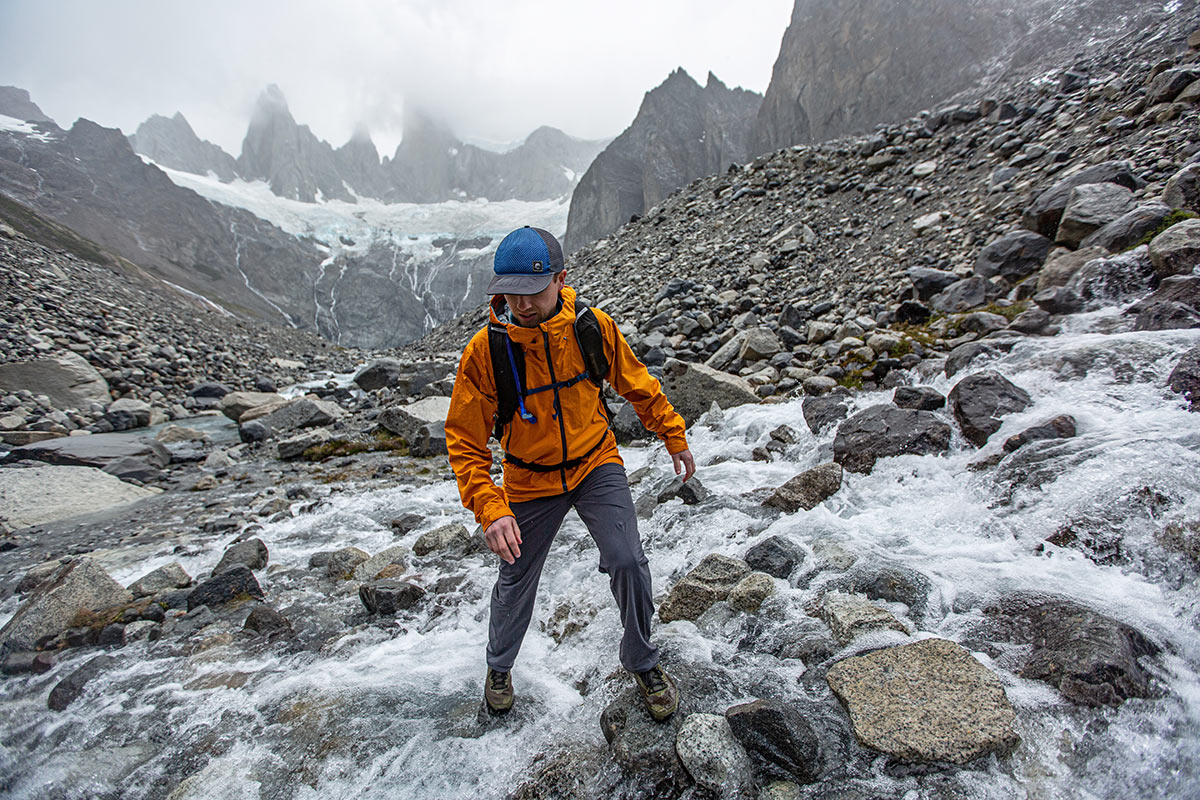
[(493, 70)]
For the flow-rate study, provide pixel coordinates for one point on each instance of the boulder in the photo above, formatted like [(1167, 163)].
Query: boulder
[(1167, 84), (127, 414), (963, 355), (294, 446), (341, 563), (929, 701), (758, 344), (1058, 300), (693, 388), (267, 621), (1166, 316), (978, 401), (395, 556), (43, 494), (781, 744), (625, 423), (910, 312), (822, 411), (1046, 212), (98, 450), (69, 688), (133, 469), (852, 615), (1092, 659), (1013, 256), (234, 583), (643, 748), (982, 322), (406, 420), (776, 556), (808, 489), (964, 294), (1185, 378), (1060, 427), (927, 281), (709, 582), (306, 412), (66, 378), (1115, 279), (1062, 264), (922, 398), (1090, 207), (817, 332), (1176, 251), (235, 404), (251, 553), (713, 757), (1127, 230), (451, 540), (79, 585), (429, 441), (692, 492), (389, 596), (884, 430), (750, 592), (211, 389), (1183, 189), (167, 577), (382, 373), (888, 582), (1031, 321)]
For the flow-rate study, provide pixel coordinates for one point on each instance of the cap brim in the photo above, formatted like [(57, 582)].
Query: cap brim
[(519, 284)]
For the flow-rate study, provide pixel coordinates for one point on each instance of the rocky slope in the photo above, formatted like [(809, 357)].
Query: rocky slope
[(681, 131)]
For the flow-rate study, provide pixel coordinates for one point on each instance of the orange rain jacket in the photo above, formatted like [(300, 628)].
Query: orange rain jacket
[(551, 354)]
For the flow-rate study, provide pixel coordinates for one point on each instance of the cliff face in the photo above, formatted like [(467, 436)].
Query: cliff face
[(170, 141), (15, 103), (682, 131)]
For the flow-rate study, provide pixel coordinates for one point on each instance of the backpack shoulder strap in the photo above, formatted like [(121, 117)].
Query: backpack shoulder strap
[(591, 344), (507, 363)]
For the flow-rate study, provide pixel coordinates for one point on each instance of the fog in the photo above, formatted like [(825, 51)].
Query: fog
[(493, 71)]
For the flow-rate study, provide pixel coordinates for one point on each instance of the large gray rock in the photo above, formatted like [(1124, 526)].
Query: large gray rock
[(1060, 427), (381, 373), (306, 412), (808, 489), (1013, 256), (1062, 264), (1179, 289), (821, 412), (965, 294), (450, 540), (776, 556), (342, 563), (643, 748), (71, 687), (927, 281), (759, 343), (1091, 658), (1183, 188), (927, 701), (852, 615), (294, 446), (128, 413), (1046, 212), (98, 450), (979, 401), (780, 743), (1113, 279), (429, 441), (693, 388), (167, 577), (1128, 229), (79, 585), (406, 420), (235, 404), (389, 596), (884, 430), (1176, 251), (1090, 207), (67, 379), (1185, 378), (38, 495), (709, 582), (251, 553), (1169, 83), (395, 556), (233, 583), (713, 756)]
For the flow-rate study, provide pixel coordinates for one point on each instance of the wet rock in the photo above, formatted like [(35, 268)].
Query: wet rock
[(1183, 188), (406, 420), (821, 412), (1127, 230), (693, 388), (36, 576), (267, 621), (750, 592), (1058, 300), (251, 554), (1115, 279), (979, 401), (1167, 308), (78, 585), (692, 492), (234, 583), (295, 446), (1046, 212), (306, 412), (133, 469), (1185, 378), (406, 523), (643, 748), (963, 355), (1092, 659), (396, 556), (882, 431), (23, 662), (1090, 207), (893, 583), (451, 539), (852, 615), (709, 582), (166, 577), (780, 743), (1060, 427), (67, 379), (808, 489), (341, 563), (254, 431), (776, 555), (963, 295), (1062, 264), (388, 597), (235, 404), (142, 630), (1013, 256), (1176, 251), (929, 701), (922, 398), (982, 322), (1031, 321), (69, 688), (713, 757)]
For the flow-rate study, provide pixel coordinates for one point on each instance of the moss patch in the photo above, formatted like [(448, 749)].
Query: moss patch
[(1174, 218), (381, 440), (1008, 312)]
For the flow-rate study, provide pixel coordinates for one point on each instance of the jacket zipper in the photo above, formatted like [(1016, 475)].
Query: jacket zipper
[(562, 429)]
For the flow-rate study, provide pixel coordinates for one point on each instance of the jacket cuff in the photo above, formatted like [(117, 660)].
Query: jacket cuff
[(676, 444), (493, 512)]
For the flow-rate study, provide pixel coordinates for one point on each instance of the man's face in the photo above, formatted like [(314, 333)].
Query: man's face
[(531, 310)]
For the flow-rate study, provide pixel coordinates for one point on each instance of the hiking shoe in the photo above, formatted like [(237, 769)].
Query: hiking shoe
[(498, 691), (658, 693)]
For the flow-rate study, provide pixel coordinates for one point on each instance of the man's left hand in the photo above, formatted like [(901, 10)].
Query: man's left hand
[(683, 460)]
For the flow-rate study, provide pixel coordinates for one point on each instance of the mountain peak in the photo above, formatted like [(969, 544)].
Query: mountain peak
[(15, 103)]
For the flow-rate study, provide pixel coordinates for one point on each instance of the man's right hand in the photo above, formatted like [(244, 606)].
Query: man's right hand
[(504, 538)]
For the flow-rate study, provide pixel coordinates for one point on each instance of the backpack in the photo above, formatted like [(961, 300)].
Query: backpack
[(508, 369)]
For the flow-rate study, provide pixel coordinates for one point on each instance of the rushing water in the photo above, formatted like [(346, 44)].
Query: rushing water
[(390, 709)]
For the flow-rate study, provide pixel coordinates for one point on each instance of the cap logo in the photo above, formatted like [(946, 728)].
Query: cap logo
[(537, 266)]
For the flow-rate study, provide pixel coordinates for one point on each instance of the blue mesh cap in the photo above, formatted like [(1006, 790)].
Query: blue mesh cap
[(526, 260)]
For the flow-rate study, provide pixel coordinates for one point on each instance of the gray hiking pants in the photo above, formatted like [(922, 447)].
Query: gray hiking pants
[(605, 505)]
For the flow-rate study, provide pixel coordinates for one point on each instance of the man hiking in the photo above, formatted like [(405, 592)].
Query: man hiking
[(526, 379)]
